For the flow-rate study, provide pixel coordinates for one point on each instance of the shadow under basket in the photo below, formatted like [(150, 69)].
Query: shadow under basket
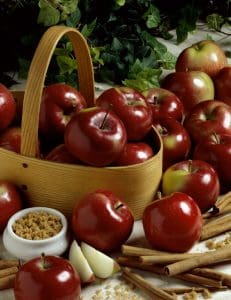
[(58, 185)]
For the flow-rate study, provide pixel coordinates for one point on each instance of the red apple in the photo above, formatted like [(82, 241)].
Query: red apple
[(131, 107), (59, 102), (10, 202), (208, 117), (222, 83), (134, 153), (102, 220), (95, 136), (172, 223), (191, 87), (216, 150), (47, 278), (10, 139), (164, 103), (61, 155), (196, 178), (176, 140), (7, 107), (206, 56)]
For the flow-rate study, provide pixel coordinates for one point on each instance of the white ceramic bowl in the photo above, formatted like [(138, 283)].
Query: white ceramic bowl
[(26, 249)]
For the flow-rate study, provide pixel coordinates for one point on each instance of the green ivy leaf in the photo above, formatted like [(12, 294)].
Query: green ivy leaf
[(215, 21), (74, 18), (88, 28), (66, 64), (168, 61), (120, 2), (48, 15), (152, 16)]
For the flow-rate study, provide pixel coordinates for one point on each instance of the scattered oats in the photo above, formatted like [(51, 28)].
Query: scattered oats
[(190, 296), (214, 245), (206, 294)]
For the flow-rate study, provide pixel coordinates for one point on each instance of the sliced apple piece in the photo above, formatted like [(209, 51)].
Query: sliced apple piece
[(80, 263), (101, 264)]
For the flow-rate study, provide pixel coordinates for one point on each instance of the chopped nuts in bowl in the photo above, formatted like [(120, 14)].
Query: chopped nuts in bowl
[(36, 230)]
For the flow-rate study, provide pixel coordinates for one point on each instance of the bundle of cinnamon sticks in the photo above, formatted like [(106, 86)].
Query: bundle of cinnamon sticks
[(192, 268), (8, 271)]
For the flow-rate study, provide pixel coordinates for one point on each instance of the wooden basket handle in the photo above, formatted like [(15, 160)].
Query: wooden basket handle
[(36, 78)]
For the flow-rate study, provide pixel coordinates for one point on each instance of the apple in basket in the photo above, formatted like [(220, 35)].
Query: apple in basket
[(102, 220), (191, 87), (164, 103), (131, 107), (60, 154), (59, 102), (196, 178), (7, 107), (95, 136), (47, 278), (10, 139), (134, 153), (205, 55), (172, 223)]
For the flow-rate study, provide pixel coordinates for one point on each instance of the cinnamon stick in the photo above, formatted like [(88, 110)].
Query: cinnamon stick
[(7, 282), (152, 290), (214, 274), (216, 227), (8, 271), (223, 201), (195, 279), (137, 251), (164, 259), (206, 259), (6, 263)]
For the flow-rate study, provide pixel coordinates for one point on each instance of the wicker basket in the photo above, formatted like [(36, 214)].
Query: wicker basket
[(59, 185)]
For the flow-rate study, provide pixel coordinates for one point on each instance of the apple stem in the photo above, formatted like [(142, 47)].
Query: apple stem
[(44, 262), (159, 195), (118, 205), (105, 117), (216, 137)]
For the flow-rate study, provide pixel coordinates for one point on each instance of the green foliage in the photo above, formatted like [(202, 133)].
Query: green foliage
[(122, 36)]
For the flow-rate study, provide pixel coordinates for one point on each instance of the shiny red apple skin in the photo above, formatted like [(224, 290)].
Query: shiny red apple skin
[(10, 202), (60, 154), (208, 117), (59, 102), (7, 107), (222, 83), (10, 139), (131, 107), (134, 153), (95, 136), (164, 103), (176, 140), (102, 220), (48, 278), (215, 149), (206, 56), (190, 87), (196, 178), (172, 223)]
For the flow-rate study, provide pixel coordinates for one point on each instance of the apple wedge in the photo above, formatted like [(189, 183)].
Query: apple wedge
[(102, 265), (80, 263)]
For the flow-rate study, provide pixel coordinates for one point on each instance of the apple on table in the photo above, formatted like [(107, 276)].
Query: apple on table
[(47, 278), (102, 220), (205, 55), (176, 140), (215, 149), (172, 223), (196, 178), (222, 83), (208, 117), (164, 103), (191, 87)]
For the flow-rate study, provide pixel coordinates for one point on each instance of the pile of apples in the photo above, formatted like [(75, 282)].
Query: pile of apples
[(192, 113)]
